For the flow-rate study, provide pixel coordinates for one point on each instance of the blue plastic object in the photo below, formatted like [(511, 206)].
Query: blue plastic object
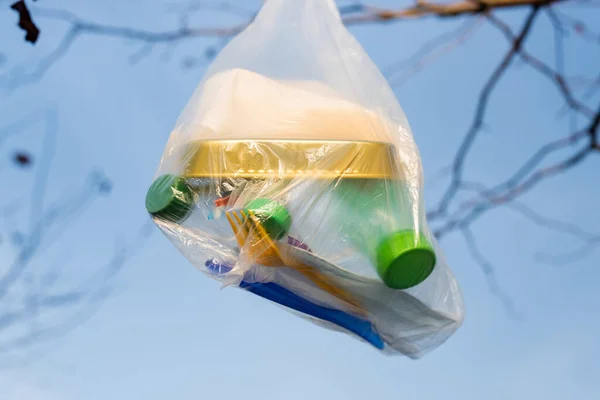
[(278, 294)]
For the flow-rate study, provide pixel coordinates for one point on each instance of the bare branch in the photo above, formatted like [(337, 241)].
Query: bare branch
[(590, 240), (522, 181), (484, 96), (352, 14), (489, 272), (535, 160), (552, 223), (87, 299), (576, 26), (424, 8), (226, 7), (34, 241), (558, 79), (399, 72), (78, 28), (25, 304), (559, 34), (475, 211), (572, 256)]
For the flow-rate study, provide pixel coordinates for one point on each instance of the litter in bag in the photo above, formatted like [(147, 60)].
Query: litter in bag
[(292, 173)]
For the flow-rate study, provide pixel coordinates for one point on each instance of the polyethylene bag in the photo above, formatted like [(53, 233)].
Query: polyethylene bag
[(293, 174)]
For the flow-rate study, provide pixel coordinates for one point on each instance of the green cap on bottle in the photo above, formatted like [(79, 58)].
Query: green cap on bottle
[(273, 216), (170, 198), (405, 260)]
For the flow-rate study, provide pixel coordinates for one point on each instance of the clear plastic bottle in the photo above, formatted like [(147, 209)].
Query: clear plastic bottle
[(373, 217)]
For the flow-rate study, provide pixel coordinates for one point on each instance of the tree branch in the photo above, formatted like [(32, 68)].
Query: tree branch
[(85, 300), (352, 14), (424, 8), (590, 240), (28, 294), (511, 189), (484, 96), (557, 78), (489, 272), (399, 72)]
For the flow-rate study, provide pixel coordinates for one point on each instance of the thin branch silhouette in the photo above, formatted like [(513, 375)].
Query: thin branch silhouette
[(489, 272), (26, 307), (476, 125), (569, 257), (399, 72), (353, 14), (590, 241), (87, 298)]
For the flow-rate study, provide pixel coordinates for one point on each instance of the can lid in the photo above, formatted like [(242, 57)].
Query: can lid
[(170, 198), (405, 260), (274, 217)]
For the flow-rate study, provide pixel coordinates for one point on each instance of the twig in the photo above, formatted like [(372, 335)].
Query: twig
[(591, 241), (489, 272), (535, 160), (477, 209), (535, 217), (34, 240), (429, 52), (572, 256), (424, 8), (552, 223), (22, 303), (559, 35), (230, 8), (557, 78), (88, 299), (576, 26), (518, 184), (353, 14), (484, 96), (78, 27)]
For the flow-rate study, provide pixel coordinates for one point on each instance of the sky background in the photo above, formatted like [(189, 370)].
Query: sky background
[(167, 331)]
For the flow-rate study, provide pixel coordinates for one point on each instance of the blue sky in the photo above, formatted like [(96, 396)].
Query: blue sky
[(167, 331)]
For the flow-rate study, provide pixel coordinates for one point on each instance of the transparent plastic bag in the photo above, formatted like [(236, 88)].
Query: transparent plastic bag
[(293, 173)]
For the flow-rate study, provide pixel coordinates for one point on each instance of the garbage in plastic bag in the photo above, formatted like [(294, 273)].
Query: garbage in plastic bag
[(293, 174)]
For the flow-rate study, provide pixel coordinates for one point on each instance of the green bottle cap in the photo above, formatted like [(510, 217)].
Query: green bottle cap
[(274, 217), (170, 198), (404, 261)]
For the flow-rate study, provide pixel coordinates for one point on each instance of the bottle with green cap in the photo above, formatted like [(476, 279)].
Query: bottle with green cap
[(170, 198), (275, 218), (376, 216)]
